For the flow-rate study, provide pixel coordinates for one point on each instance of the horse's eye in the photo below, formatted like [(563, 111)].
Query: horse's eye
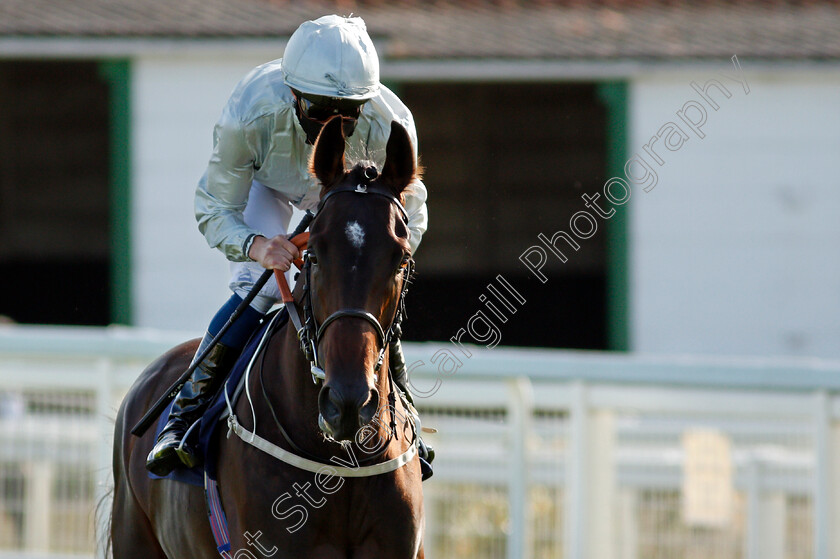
[(312, 258)]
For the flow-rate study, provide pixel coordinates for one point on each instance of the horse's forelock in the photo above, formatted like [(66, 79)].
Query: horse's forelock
[(355, 160)]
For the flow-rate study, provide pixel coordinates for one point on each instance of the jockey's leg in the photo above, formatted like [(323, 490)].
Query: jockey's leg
[(398, 369), (202, 385), (268, 212)]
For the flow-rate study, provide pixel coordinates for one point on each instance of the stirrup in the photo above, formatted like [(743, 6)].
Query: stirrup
[(189, 459)]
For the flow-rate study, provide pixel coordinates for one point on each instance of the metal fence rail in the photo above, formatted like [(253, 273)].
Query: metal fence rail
[(541, 454)]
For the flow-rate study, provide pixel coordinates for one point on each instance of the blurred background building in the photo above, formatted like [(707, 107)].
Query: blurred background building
[(106, 116)]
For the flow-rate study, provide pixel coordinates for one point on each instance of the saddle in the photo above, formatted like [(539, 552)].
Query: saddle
[(202, 432)]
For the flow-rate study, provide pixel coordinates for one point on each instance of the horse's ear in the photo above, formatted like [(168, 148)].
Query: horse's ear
[(399, 168), (327, 162)]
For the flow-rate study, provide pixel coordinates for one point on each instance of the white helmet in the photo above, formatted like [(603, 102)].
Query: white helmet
[(332, 56)]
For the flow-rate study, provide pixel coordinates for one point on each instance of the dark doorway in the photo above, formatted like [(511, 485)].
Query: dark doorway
[(54, 193), (505, 162)]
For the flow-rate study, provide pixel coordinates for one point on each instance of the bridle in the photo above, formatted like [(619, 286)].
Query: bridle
[(309, 332)]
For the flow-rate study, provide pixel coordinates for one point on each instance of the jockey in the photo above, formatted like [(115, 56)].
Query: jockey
[(259, 169)]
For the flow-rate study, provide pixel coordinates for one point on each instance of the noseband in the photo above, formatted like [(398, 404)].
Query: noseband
[(310, 333)]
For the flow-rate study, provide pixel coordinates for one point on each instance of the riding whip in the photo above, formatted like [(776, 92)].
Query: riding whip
[(158, 407)]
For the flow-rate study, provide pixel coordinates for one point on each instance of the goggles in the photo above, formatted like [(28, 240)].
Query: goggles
[(314, 114), (320, 112)]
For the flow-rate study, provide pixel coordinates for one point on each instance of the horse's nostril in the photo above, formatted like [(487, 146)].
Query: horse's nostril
[(329, 403), (368, 410), (341, 415)]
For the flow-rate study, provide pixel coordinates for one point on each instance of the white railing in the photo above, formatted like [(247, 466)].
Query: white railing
[(540, 453)]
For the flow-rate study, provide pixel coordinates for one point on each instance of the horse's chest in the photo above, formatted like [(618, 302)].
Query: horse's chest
[(319, 517)]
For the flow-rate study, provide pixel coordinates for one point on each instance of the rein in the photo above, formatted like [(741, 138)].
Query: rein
[(309, 335)]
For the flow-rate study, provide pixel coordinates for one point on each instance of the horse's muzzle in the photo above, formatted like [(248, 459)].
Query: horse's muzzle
[(343, 415)]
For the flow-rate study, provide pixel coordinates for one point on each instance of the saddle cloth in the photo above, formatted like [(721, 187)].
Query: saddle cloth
[(212, 417)]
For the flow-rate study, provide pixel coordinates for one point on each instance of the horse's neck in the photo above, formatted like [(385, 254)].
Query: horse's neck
[(395, 421), (282, 373)]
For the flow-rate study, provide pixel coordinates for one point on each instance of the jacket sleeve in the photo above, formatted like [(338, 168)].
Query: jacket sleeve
[(382, 110), (418, 214), (222, 192), (416, 193)]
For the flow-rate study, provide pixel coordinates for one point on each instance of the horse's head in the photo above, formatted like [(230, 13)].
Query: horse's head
[(359, 259)]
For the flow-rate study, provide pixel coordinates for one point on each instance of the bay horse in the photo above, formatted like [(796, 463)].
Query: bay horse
[(357, 265)]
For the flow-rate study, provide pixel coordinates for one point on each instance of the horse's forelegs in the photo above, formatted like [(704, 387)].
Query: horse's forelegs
[(131, 533)]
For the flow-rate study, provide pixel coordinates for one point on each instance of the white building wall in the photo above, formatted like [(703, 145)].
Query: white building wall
[(178, 282), (735, 249)]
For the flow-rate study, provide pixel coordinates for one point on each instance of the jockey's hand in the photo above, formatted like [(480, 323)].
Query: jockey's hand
[(275, 253)]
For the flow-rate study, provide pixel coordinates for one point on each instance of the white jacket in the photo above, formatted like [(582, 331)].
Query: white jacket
[(258, 137)]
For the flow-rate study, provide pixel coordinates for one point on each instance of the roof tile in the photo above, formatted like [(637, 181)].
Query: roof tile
[(545, 29)]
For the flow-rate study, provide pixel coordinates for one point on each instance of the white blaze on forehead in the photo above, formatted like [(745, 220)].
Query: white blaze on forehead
[(355, 234)]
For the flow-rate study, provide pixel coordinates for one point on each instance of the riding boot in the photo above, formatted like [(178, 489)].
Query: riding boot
[(169, 452), (400, 375)]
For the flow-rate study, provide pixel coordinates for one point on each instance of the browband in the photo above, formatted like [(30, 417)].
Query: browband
[(363, 188)]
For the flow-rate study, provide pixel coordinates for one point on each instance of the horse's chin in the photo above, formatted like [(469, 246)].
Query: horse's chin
[(329, 432)]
